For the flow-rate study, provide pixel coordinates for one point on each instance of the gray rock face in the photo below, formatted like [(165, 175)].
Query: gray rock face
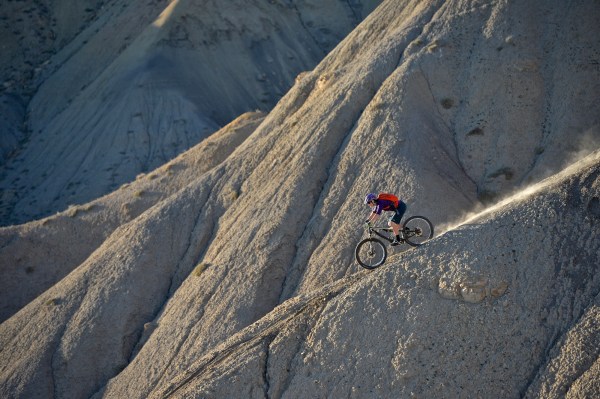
[(242, 282)]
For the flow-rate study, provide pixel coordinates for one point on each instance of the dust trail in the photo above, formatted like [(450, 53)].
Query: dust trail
[(580, 146), (589, 159)]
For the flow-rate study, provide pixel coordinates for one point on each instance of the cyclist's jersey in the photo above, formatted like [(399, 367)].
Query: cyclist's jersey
[(383, 205)]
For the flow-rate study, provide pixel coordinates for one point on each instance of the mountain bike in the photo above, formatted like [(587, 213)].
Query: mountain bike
[(371, 252)]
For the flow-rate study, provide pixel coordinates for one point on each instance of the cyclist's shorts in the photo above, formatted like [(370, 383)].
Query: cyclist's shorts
[(397, 217)]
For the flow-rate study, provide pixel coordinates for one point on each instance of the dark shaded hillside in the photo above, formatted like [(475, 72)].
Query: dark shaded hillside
[(126, 86), (36, 38)]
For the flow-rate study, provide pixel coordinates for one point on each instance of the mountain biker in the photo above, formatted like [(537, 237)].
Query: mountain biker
[(381, 204)]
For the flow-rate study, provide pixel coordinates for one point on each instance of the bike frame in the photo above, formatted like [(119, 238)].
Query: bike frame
[(407, 233), (386, 229)]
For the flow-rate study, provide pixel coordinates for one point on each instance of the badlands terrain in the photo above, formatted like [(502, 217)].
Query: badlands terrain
[(182, 187)]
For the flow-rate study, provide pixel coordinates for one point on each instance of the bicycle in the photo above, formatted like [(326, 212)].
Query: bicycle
[(371, 252)]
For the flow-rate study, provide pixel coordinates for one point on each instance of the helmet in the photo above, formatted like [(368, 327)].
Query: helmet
[(370, 197)]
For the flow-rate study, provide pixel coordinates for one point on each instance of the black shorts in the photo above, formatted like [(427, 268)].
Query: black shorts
[(397, 217)]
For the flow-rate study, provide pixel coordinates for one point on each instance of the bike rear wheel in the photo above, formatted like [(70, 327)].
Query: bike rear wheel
[(370, 253), (417, 230)]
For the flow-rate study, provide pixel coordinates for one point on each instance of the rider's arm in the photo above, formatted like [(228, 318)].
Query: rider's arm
[(375, 214), (372, 217)]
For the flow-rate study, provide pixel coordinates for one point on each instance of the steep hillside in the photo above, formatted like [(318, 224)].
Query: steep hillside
[(428, 99), (143, 81), (37, 255), (31, 32), (506, 305)]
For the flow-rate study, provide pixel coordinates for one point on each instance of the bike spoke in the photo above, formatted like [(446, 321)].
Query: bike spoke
[(418, 230), (370, 253)]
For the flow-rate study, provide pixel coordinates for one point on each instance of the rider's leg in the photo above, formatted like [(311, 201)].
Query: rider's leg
[(396, 219), (397, 240), (395, 227)]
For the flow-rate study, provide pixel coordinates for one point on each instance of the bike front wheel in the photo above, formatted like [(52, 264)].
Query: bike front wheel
[(417, 230), (370, 253)]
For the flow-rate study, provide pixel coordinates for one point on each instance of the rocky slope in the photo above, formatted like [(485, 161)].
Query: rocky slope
[(242, 283), (38, 254), (139, 83), (505, 305), (31, 32)]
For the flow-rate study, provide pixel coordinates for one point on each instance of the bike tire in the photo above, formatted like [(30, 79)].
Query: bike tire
[(370, 253), (424, 228)]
